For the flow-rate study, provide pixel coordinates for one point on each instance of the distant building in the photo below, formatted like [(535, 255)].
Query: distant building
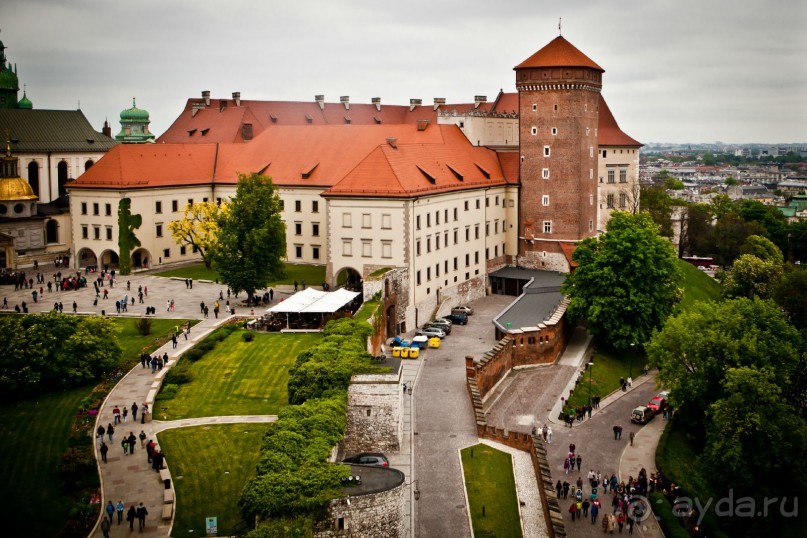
[(134, 126)]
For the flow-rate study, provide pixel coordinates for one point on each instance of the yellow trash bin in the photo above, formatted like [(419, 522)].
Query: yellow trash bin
[(434, 342), (396, 352), (404, 352), (414, 352)]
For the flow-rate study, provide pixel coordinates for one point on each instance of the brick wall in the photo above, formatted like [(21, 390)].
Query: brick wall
[(374, 416)]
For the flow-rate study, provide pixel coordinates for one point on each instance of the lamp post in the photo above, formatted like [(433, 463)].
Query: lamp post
[(590, 369), (632, 353)]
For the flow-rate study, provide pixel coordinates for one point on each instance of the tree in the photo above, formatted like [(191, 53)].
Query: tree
[(127, 240), (697, 232), (626, 283), (752, 277), (252, 236), (730, 182), (198, 228), (656, 202), (729, 233), (798, 241), (773, 223), (791, 294), (762, 248)]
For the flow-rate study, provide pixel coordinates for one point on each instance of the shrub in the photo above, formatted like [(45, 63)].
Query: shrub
[(168, 391), (178, 375), (248, 336), (143, 326)]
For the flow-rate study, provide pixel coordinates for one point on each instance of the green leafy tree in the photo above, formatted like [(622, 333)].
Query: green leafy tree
[(752, 277), (730, 182), (697, 239), (127, 240), (626, 283), (729, 234), (798, 241), (722, 205), (791, 294), (763, 248), (772, 222), (252, 236), (656, 202)]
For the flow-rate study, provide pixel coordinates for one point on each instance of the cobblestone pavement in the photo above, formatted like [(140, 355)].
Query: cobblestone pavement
[(533, 524), (444, 422)]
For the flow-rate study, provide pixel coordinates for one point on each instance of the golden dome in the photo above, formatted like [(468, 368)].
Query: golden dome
[(15, 188)]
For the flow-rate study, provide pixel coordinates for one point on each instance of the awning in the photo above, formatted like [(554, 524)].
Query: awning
[(311, 301)]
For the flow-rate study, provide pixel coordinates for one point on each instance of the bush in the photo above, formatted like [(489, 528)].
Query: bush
[(178, 375), (168, 391), (670, 524), (248, 336), (143, 326)]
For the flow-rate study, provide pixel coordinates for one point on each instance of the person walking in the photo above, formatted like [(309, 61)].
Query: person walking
[(549, 435), (125, 414), (132, 441), (75, 307), (105, 525), (174, 340), (104, 449), (125, 445), (101, 431), (134, 412), (110, 510), (595, 510), (632, 435), (119, 510), (110, 431), (579, 461), (144, 413), (142, 439), (141, 516), (116, 415), (130, 517)]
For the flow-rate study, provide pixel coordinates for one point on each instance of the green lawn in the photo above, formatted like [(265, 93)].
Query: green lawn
[(314, 275), (490, 484), (609, 366), (239, 378), (698, 286), (35, 434), (133, 344), (210, 466)]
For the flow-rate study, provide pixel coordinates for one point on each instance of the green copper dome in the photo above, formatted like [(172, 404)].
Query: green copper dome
[(134, 114), (25, 102)]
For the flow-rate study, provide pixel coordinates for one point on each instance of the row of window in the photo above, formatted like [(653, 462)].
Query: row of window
[(623, 175), (455, 212), (367, 248), (623, 200), (455, 235), (298, 252), (367, 221), (158, 205), (455, 265), (96, 209)]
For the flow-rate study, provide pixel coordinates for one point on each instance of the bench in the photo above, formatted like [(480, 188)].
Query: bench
[(168, 496), (168, 511)]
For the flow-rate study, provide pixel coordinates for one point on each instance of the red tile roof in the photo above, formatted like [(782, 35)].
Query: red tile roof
[(559, 53), (568, 251), (148, 165), (609, 133), (508, 161)]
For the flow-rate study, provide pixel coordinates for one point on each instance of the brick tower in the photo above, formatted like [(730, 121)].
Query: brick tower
[(558, 91)]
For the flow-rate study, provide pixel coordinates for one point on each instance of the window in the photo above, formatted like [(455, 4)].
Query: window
[(109, 233), (366, 221), (428, 274), (497, 200), (456, 233), (428, 244), (437, 218), (436, 269), (476, 232), (487, 229), (158, 230), (476, 257), (623, 175), (590, 225), (487, 253), (166, 253), (417, 247), (554, 131), (204, 199), (478, 205), (315, 229), (556, 108), (282, 203), (467, 233), (456, 214), (534, 107), (108, 209), (347, 247), (545, 173), (347, 220), (298, 228), (610, 175), (417, 278), (590, 199), (96, 232), (366, 248), (315, 206), (591, 151), (174, 206), (158, 207), (604, 153), (487, 202), (545, 200), (547, 226), (386, 249), (190, 201), (467, 261), (182, 251), (298, 206), (428, 220), (591, 173), (83, 208), (95, 209), (417, 222), (85, 232), (623, 199), (455, 263), (386, 222), (496, 251), (609, 201), (533, 130), (315, 252), (546, 151), (466, 205), (298, 251), (437, 242)]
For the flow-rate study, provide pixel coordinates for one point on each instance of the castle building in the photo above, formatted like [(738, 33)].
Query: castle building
[(444, 193)]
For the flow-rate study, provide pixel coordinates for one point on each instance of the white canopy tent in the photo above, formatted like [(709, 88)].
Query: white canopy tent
[(311, 301)]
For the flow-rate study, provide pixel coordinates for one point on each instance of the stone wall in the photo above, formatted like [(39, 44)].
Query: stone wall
[(374, 414), (365, 516)]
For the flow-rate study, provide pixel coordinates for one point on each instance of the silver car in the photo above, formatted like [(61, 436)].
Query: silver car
[(431, 332)]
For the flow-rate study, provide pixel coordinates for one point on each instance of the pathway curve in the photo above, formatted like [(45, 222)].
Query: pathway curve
[(642, 455)]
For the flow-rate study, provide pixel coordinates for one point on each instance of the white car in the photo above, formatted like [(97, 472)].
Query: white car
[(467, 310), (430, 332)]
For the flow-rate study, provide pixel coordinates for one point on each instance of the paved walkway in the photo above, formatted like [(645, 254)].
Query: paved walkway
[(642, 455)]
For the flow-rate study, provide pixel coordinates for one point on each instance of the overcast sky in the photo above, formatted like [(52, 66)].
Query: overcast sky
[(676, 70)]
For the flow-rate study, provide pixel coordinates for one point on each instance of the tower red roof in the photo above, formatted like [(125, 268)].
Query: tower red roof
[(559, 53)]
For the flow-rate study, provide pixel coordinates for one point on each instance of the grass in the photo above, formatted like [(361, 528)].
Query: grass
[(210, 466), (367, 309), (698, 286), (609, 366), (379, 272), (490, 486), (239, 378), (314, 275), (35, 434), (133, 343), (669, 522)]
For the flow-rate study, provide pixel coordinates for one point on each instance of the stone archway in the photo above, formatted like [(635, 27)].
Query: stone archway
[(87, 258), (350, 279), (109, 260), (392, 321), (141, 258)]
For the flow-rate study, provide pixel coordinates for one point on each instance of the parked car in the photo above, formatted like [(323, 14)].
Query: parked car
[(442, 321), (659, 402), (445, 328), (642, 415), (431, 331), (375, 459), (467, 310), (458, 318)]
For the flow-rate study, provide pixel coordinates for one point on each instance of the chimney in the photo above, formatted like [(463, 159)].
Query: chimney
[(206, 97), (237, 98), (320, 100), (439, 101), (423, 125), (246, 131), (413, 103), (479, 99), (393, 142), (377, 102), (345, 100), (222, 104)]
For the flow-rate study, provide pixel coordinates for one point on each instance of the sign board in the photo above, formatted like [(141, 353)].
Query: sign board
[(211, 525)]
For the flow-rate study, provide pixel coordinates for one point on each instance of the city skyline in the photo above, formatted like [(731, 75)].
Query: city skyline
[(676, 72)]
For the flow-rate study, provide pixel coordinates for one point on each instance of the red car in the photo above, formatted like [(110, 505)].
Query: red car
[(658, 402)]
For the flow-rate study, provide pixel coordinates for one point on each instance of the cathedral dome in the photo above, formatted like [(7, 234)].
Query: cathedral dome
[(134, 114), (25, 102), (15, 188)]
